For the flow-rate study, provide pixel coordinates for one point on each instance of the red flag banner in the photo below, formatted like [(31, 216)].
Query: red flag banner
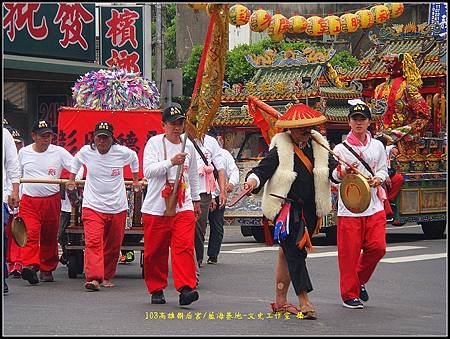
[(264, 116), (207, 93), (131, 129)]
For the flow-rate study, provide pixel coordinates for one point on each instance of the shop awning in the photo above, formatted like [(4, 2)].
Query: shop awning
[(48, 65)]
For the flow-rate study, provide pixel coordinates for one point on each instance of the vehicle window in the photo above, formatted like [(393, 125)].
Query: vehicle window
[(253, 147)]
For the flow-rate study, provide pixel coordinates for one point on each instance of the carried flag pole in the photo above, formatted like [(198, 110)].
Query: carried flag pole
[(207, 93)]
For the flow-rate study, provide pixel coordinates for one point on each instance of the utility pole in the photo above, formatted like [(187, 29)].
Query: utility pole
[(159, 49)]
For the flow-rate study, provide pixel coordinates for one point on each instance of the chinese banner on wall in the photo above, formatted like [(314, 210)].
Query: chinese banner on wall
[(62, 30), (122, 38), (131, 129), (438, 15)]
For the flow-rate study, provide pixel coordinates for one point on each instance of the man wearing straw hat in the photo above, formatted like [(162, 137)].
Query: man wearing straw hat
[(11, 180), (364, 231), (296, 196), (40, 204)]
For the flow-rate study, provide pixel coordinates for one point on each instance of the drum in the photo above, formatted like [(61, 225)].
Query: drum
[(355, 193)]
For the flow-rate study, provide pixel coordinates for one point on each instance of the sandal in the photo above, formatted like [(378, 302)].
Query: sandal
[(93, 285), (287, 308), (308, 312)]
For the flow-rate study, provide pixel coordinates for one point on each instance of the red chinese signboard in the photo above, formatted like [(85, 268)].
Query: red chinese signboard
[(131, 129)]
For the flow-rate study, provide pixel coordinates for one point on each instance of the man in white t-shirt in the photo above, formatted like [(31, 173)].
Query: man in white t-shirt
[(40, 204), (104, 208), (215, 217), (11, 180), (164, 157)]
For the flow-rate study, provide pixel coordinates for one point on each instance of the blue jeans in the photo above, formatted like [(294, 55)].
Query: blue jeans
[(216, 222)]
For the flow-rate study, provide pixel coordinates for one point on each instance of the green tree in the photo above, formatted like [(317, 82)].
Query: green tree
[(170, 36), (344, 59)]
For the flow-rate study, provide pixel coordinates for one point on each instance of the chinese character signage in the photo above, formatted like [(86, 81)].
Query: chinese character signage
[(122, 42), (438, 15), (75, 127), (62, 30)]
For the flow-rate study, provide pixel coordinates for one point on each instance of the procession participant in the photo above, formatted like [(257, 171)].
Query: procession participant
[(215, 217), (211, 151), (104, 207), (296, 169), (163, 156), (13, 257), (11, 180), (364, 231), (407, 113), (66, 212), (40, 204)]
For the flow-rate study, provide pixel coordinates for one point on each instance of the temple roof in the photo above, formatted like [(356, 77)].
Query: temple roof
[(421, 41)]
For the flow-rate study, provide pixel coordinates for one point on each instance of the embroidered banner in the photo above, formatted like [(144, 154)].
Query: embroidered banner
[(207, 93), (131, 129)]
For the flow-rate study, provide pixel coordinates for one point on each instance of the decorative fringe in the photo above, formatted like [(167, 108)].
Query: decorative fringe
[(267, 235), (305, 242)]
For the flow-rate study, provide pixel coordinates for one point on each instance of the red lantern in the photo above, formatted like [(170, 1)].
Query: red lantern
[(395, 9), (316, 26), (298, 24), (259, 20), (350, 22), (334, 25), (366, 18), (239, 15), (380, 13)]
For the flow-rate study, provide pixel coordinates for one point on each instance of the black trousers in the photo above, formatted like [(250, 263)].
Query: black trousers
[(296, 261)]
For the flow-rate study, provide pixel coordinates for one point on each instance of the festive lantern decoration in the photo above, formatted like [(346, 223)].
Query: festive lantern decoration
[(275, 37), (316, 26), (197, 6), (350, 22), (239, 15), (259, 20), (366, 18), (380, 13), (334, 25), (395, 9), (278, 25), (298, 24)]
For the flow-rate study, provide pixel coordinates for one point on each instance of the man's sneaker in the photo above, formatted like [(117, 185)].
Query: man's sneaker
[(212, 260), (122, 259), (353, 303), (46, 276), (29, 274), (188, 296), (158, 298), (363, 295)]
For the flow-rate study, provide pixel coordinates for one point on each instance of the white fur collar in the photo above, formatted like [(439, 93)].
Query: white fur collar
[(284, 176)]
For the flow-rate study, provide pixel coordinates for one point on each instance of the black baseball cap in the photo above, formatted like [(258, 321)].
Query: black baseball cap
[(361, 109), (104, 128), (173, 113), (42, 126)]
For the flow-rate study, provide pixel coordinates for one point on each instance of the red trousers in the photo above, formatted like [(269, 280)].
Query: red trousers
[(160, 233), (13, 253), (353, 235), (103, 235), (396, 184), (41, 217)]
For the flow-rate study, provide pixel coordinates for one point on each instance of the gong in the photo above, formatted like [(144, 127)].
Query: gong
[(19, 231), (355, 193)]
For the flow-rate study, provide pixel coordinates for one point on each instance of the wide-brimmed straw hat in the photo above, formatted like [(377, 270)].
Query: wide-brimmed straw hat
[(299, 116)]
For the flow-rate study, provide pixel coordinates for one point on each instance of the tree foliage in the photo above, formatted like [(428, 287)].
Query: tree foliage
[(344, 59)]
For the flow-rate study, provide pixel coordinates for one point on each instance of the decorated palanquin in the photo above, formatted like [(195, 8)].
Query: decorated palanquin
[(413, 106)]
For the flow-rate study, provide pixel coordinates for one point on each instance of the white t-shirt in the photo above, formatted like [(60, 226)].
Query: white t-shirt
[(375, 155), (156, 166), (231, 170), (104, 189), (212, 151), (45, 165), (11, 167), (66, 206)]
